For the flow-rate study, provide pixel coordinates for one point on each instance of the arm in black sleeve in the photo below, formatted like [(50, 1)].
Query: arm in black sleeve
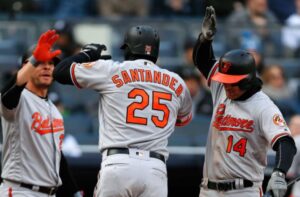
[(11, 93), (62, 70), (69, 184), (285, 151), (203, 55)]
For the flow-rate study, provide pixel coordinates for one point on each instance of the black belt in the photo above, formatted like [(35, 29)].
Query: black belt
[(224, 186), (112, 151), (46, 190)]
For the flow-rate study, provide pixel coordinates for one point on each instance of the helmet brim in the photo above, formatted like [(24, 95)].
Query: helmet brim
[(229, 79)]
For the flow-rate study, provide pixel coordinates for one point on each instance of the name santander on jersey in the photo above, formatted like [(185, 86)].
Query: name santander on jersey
[(143, 75), (231, 123)]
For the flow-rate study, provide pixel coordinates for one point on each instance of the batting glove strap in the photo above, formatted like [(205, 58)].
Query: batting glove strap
[(277, 184), (33, 61)]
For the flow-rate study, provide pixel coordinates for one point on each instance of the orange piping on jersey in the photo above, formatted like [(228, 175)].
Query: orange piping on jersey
[(141, 71), (166, 80), (157, 77), (148, 76), (183, 120), (233, 129), (260, 192), (277, 137), (126, 77), (10, 192), (115, 79), (134, 75), (73, 77), (45, 126), (212, 73)]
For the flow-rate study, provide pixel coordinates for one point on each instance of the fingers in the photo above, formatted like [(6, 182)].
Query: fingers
[(46, 35), (55, 53), (53, 39), (209, 11)]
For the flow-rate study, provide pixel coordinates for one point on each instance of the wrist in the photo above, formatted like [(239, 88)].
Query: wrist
[(33, 61), (278, 172)]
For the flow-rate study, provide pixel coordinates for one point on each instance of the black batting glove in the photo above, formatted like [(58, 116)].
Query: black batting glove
[(93, 51), (209, 24)]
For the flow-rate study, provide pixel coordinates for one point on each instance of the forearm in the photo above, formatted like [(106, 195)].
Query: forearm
[(11, 93), (24, 74), (62, 71), (285, 151), (203, 55)]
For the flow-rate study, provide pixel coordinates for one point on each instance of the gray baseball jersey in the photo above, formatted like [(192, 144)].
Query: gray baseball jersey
[(240, 134), (32, 139), (139, 102)]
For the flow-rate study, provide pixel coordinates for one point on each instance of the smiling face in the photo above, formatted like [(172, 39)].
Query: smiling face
[(42, 75), (233, 91)]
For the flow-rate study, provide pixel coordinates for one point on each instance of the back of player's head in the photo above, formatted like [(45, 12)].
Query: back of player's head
[(141, 42)]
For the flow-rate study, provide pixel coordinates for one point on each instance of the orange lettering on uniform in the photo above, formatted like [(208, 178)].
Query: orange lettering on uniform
[(148, 76), (172, 83), (45, 126), (115, 79), (126, 77), (166, 80), (179, 90), (142, 71), (157, 77), (134, 75)]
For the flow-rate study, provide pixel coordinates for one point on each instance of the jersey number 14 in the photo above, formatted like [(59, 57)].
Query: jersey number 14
[(155, 105), (239, 146)]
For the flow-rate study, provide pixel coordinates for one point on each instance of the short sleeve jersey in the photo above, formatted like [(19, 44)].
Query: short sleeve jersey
[(241, 132), (139, 102), (32, 139)]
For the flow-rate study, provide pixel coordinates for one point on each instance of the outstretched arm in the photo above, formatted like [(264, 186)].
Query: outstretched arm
[(203, 54), (285, 150), (89, 53), (10, 94)]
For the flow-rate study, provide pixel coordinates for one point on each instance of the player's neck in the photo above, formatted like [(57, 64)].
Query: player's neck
[(39, 91)]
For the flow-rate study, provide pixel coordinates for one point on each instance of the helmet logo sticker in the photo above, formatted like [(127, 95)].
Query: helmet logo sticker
[(225, 67), (148, 49)]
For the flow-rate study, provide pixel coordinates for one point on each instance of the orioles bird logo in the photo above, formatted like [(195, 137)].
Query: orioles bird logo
[(225, 67)]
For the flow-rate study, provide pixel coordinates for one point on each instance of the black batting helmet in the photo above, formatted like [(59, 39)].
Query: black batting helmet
[(28, 53), (142, 41), (236, 66)]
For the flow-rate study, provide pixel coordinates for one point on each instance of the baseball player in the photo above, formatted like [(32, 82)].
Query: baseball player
[(32, 127), (245, 122), (139, 106)]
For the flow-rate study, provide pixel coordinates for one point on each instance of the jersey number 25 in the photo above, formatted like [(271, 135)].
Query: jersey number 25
[(156, 105)]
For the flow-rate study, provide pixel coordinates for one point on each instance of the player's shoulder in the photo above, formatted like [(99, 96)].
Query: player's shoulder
[(261, 102)]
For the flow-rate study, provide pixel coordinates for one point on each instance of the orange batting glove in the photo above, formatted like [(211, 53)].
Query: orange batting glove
[(42, 51)]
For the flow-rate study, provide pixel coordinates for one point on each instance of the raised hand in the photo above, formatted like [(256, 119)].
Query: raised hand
[(209, 23), (42, 51), (93, 51)]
